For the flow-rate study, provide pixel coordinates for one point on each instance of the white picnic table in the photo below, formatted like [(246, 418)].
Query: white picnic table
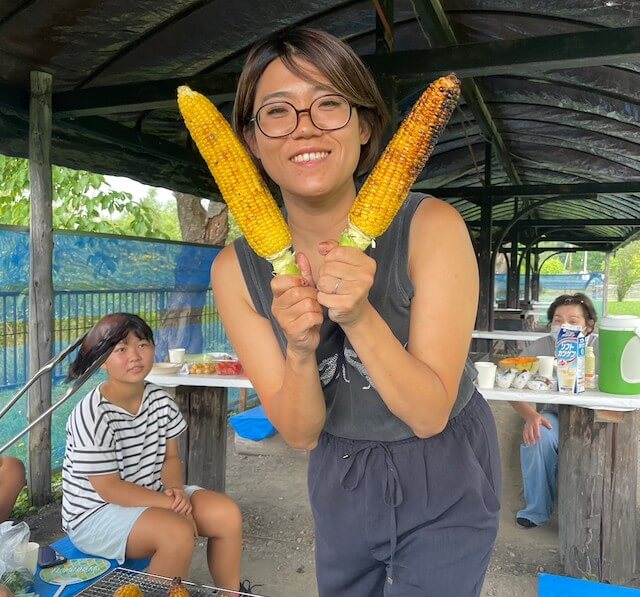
[(507, 335)]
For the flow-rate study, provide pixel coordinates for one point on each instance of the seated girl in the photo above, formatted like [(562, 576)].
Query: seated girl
[(123, 493)]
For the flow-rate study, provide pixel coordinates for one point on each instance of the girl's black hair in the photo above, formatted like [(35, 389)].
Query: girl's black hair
[(104, 336)]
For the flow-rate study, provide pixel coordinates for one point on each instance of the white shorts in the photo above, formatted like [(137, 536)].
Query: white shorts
[(105, 533)]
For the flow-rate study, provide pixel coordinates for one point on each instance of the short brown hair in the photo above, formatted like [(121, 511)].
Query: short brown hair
[(579, 298), (335, 60), (103, 337)]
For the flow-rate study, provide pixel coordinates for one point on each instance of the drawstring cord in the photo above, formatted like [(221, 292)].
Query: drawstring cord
[(357, 464)]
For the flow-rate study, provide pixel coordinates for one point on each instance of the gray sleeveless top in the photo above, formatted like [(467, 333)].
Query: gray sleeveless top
[(354, 407)]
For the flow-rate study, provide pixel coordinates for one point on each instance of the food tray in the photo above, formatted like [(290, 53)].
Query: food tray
[(151, 585)]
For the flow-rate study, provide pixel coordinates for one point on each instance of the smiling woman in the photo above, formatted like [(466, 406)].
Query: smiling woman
[(361, 357)]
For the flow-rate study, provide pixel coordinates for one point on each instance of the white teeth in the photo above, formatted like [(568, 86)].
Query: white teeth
[(308, 157)]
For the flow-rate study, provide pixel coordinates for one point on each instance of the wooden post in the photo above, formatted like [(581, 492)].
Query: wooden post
[(605, 287), (485, 300), (527, 274), (242, 400), (513, 273), (40, 283), (597, 495), (535, 279), (203, 447)]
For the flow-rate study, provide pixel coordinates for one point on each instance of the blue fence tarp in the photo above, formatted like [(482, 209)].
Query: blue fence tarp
[(98, 262)]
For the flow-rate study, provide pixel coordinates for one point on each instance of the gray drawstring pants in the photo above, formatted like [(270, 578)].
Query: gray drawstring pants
[(412, 518)]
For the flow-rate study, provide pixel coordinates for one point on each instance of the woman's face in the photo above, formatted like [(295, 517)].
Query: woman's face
[(571, 314), (309, 162)]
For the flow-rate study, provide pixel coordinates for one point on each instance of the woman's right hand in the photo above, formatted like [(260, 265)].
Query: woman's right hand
[(531, 432), (296, 308)]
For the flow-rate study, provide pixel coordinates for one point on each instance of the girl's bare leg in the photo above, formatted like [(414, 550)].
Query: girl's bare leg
[(218, 518), (11, 483), (166, 537)]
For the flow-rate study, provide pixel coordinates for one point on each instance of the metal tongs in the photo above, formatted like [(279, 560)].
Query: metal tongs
[(48, 367)]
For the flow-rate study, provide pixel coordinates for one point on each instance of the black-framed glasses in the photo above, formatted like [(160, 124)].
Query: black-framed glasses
[(327, 113)]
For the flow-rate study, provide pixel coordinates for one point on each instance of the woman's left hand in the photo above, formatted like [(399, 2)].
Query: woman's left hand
[(344, 281)]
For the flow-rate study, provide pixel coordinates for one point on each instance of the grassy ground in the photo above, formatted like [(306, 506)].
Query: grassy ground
[(624, 308)]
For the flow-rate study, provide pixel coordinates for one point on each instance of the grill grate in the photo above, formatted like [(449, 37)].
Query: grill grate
[(151, 585)]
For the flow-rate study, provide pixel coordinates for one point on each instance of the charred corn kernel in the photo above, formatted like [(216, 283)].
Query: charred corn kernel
[(386, 188), (239, 181)]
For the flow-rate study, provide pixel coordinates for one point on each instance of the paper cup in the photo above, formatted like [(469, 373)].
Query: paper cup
[(27, 555), (486, 374), (176, 355), (545, 366)]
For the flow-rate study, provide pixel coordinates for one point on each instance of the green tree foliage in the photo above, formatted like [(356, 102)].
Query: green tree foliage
[(553, 265), (81, 201), (625, 268), (165, 217)]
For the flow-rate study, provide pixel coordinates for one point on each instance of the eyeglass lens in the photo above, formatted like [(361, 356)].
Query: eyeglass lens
[(329, 112)]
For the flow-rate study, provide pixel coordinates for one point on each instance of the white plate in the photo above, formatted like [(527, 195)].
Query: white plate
[(166, 368)]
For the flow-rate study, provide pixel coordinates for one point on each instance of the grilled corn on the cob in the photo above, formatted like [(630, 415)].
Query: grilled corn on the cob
[(387, 186), (239, 181), (377, 203)]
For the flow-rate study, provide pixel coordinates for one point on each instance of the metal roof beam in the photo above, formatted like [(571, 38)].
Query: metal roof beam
[(513, 56), (137, 97), (434, 23), (628, 222), (528, 55), (13, 102), (568, 191), (605, 249)]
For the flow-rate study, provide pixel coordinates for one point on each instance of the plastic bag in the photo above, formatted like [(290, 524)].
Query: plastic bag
[(11, 535), (19, 581)]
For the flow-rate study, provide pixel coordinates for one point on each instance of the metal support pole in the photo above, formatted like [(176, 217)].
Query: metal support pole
[(485, 302)]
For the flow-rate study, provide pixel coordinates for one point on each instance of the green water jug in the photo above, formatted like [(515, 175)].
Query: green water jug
[(619, 348)]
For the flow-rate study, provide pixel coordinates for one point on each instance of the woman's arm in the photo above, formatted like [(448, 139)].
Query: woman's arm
[(419, 384), (289, 388)]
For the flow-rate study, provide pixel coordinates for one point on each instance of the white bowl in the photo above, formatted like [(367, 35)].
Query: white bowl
[(166, 368)]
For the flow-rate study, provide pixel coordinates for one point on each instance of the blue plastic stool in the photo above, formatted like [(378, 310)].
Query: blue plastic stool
[(550, 585), (69, 550)]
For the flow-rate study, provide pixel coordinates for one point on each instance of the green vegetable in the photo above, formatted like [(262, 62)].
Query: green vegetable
[(18, 581)]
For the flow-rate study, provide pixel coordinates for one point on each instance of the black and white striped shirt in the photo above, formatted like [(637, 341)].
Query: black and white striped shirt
[(103, 439)]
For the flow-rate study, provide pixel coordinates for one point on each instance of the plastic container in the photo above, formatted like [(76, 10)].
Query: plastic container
[(200, 364), (213, 363), (619, 348)]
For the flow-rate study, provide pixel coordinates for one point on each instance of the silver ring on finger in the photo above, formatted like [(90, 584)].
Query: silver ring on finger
[(335, 289)]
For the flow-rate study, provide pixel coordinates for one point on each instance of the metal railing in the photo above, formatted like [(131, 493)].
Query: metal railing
[(75, 311)]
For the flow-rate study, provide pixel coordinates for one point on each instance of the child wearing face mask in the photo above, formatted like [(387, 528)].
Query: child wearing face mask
[(539, 451)]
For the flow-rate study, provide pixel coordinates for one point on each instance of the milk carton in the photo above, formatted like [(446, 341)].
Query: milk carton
[(570, 352)]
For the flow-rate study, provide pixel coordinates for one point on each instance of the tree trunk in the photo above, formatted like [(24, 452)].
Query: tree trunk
[(199, 225), (181, 323)]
